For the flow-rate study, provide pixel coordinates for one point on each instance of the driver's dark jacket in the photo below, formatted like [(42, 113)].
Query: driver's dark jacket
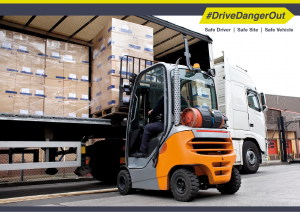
[(159, 109)]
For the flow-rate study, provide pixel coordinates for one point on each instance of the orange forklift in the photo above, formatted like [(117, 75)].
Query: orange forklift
[(193, 152)]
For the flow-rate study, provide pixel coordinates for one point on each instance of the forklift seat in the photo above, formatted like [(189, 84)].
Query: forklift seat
[(154, 142)]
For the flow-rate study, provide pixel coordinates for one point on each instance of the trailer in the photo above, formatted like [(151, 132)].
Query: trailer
[(21, 133)]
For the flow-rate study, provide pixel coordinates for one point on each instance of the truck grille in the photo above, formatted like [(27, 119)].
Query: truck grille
[(208, 146)]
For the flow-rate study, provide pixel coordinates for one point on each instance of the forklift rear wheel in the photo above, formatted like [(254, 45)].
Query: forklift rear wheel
[(124, 182), (233, 185), (250, 158), (184, 185)]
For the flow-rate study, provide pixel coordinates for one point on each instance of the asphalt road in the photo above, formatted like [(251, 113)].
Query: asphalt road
[(271, 186)]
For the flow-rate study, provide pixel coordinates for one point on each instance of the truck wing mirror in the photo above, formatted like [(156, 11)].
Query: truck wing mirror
[(265, 108), (263, 101)]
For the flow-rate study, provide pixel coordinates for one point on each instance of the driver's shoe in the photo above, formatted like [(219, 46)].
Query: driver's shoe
[(139, 154)]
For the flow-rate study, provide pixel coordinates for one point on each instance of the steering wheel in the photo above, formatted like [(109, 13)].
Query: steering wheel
[(154, 119)]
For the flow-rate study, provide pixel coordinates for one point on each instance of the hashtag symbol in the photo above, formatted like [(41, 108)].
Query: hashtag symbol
[(208, 15)]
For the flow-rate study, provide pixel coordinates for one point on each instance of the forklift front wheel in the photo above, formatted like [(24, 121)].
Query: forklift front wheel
[(233, 185), (184, 185), (124, 182)]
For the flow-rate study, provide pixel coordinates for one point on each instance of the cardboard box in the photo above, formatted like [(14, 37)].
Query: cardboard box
[(83, 55), (54, 89), (8, 60), (53, 107), (21, 104), (82, 72), (37, 46), (112, 83), (82, 110), (55, 49), (96, 77), (141, 31), (7, 103), (112, 67), (36, 106), (54, 69), (70, 90), (70, 71), (23, 84), (24, 63), (70, 108), (111, 97), (8, 82), (114, 53), (125, 28), (20, 43), (37, 86), (6, 36), (38, 66), (202, 102), (96, 89), (71, 52), (82, 90), (95, 104)]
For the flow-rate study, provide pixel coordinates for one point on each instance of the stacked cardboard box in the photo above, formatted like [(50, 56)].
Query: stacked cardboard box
[(30, 66), (201, 93), (117, 39), (43, 78), (67, 79)]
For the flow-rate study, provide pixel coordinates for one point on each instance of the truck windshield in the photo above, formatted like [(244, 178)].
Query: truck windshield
[(197, 90)]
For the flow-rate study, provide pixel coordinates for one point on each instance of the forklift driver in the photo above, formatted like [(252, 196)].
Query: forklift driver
[(154, 128), (151, 129)]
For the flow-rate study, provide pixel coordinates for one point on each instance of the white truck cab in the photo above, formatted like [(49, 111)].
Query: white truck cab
[(244, 106)]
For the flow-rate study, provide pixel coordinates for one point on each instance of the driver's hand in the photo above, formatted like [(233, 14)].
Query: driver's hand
[(149, 112)]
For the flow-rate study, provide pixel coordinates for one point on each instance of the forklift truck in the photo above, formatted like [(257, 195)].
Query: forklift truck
[(182, 158)]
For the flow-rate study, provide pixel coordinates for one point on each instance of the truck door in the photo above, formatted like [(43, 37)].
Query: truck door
[(256, 116)]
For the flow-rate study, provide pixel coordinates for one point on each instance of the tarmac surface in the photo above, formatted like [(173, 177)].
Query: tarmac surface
[(276, 185)]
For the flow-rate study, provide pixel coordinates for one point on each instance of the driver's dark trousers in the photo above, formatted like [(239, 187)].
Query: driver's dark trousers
[(151, 130)]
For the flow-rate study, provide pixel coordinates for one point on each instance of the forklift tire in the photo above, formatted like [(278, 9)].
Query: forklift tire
[(233, 185), (184, 185), (251, 158), (124, 182)]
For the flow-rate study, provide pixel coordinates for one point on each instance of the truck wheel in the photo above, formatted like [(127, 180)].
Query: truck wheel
[(124, 182), (99, 174), (233, 185), (184, 185), (250, 158)]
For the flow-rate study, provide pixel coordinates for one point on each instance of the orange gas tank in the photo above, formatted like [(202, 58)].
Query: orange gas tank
[(191, 117)]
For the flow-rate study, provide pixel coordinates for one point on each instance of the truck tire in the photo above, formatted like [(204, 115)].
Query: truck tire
[(124, 182), (250, 158), (184, 185), (233, 185), (105, 173), (105, 160)]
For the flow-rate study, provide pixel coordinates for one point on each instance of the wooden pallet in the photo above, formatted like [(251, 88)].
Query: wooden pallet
[(110, 111)]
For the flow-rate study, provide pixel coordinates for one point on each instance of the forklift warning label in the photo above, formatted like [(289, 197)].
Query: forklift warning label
[(215, 15)]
